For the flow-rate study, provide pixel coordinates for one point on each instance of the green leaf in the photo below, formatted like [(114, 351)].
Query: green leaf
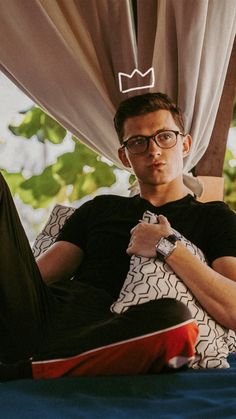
[(37, 123), (53, 131), (67, 167), (13, 180), (39, 190), (233, 122), (83, 186), (229, 173), (30, 124), (86, 155), (103, 175)]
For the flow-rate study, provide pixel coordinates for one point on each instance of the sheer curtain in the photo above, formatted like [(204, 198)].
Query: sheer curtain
[(67, 54)]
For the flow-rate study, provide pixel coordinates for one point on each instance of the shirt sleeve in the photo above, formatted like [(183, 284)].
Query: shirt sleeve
[(221, 232), (75, 228)]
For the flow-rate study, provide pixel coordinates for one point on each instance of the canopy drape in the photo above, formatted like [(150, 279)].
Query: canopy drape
[(67, 56)]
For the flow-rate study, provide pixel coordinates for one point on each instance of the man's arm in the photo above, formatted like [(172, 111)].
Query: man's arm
[(214, 288), (60, 261)]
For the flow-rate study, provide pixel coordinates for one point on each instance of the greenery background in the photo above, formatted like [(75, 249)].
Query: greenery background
[(229, 171)]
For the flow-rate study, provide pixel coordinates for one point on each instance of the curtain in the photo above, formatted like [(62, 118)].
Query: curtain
[(67, 55)]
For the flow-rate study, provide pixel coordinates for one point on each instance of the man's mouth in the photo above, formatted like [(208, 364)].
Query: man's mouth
[(157, 164)]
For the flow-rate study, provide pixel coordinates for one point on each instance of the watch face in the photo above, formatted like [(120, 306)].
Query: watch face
[(165, 246)]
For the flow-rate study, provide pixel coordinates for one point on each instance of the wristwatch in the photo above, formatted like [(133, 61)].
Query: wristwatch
[(166, 246)]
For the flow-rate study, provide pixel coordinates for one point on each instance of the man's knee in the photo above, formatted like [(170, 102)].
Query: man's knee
[(162, 313)]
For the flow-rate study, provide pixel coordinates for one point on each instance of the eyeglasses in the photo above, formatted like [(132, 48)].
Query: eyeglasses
[(140, 143)]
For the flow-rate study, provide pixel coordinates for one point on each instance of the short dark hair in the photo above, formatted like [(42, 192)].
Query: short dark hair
[(142, 104)]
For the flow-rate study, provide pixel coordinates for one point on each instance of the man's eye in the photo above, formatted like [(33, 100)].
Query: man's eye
[(164, 136), (137, 141)]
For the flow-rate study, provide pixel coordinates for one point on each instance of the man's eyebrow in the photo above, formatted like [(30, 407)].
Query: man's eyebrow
[(155, 132)]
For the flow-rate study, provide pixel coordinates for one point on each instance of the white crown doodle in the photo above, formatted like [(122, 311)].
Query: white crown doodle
[(142, 81)]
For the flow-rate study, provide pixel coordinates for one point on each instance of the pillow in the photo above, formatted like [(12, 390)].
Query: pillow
[(150, 279), (51, 229)]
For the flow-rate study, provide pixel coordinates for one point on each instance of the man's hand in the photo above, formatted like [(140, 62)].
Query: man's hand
[(144, 237)]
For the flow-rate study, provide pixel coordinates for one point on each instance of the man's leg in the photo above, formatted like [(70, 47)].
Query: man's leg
[(146, 339), (24, 299)]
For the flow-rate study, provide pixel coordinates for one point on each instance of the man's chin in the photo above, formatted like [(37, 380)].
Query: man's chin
[(154, 182)]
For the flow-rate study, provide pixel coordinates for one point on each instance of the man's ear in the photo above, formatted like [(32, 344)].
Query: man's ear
[(187, 144), (123, 157)]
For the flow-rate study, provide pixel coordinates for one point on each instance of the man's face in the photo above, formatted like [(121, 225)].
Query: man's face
[(156, 166)]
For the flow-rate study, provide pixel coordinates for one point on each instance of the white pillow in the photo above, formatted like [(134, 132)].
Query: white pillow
[(48, 235), (150, 279)]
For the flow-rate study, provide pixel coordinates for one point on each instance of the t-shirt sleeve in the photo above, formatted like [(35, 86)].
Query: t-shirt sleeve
[(75, 228), (221, 232)]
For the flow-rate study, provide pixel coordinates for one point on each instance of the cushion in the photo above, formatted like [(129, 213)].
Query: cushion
[(57, 218), (150, 279)]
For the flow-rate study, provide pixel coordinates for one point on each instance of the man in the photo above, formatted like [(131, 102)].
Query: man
[(66, 327), (159, 172)]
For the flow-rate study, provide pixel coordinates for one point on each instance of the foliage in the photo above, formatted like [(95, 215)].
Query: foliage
[(229, 170), (37, 122), (233, 122), (73, 176), (230, 179)]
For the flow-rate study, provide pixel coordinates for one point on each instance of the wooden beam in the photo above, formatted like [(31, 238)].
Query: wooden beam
[(211, 164)]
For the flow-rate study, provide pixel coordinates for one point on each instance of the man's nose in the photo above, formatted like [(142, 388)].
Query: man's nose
[(154, 148)]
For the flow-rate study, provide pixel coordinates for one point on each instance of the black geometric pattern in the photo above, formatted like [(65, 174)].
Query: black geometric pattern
[(48, 235), (150, 279)]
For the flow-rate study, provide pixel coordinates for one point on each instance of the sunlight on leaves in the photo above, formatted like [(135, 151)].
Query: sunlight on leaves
[(229, 179), (37, 123), (74, 174)]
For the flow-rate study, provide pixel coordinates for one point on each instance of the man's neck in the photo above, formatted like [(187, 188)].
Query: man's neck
[(162, 194)]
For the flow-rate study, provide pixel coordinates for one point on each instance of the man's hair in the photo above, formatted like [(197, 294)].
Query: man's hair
[(143, 104)]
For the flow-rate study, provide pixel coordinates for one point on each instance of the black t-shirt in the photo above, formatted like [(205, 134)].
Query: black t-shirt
[(101, 227)]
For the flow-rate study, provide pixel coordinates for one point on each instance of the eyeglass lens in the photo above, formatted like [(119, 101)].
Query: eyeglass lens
[(164, 139)]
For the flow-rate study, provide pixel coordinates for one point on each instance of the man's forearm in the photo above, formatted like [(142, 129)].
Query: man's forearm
[(59, 262), (215, 292)]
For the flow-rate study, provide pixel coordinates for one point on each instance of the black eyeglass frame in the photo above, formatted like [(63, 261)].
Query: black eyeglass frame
[(150, 137)]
